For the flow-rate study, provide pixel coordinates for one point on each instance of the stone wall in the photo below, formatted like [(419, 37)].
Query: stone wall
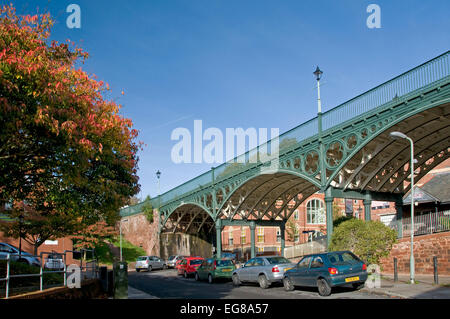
[(425, 247), (138, 230), (184, 244)]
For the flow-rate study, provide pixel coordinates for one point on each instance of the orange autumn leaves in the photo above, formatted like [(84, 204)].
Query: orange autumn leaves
[(68, 99)]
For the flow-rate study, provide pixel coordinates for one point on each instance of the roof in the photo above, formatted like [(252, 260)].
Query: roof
[(435, 190)]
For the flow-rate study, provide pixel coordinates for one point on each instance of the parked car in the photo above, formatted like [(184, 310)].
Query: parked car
[(172, 260), (264, 270), (54, 262), (150, 263), (188, 265), (327, 270), (24, 257), (227, 255), (213, 268)]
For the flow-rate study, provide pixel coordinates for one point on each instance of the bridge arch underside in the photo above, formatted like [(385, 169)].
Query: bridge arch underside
[(267, 197), (189, 219), (382, 165)]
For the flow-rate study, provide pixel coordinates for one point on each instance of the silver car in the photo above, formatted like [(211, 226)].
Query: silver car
[(23, 256), (150, 263), (54, 262), (264, 270), (172, 260)]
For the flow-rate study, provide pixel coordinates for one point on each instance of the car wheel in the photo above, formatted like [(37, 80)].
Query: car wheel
[(210, 279), (358, 286), (150, 268), (288, 284), (236, 281), (138, 270), (324, 287), (263, 282)]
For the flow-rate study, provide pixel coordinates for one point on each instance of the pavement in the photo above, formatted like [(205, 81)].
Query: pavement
[(424, 288), (134, 293)]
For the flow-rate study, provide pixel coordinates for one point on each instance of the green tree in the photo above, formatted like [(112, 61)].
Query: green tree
[(147, 209), (291, 230), (370, 240)]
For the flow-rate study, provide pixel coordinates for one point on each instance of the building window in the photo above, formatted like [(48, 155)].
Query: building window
[(230, 239), (315, 212), (278, 236), (260, 234), (296, 214), (260, 249), (243, 237), (296, 237)]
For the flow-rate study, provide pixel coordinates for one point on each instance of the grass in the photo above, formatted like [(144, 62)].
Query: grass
[(130, 252)]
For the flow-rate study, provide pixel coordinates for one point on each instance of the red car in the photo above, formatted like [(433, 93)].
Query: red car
[(188, 266)]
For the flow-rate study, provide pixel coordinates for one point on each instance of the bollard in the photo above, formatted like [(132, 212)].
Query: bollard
[(435, 265), (395, 270)]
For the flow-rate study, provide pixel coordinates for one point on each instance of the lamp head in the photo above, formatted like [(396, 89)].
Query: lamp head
[(318, 73), (158, 174), (397, 134)]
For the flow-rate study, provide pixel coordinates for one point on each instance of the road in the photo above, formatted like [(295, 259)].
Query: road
[(166, 284)]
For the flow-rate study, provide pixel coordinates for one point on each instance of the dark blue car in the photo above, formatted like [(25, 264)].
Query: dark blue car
[(327, 270)]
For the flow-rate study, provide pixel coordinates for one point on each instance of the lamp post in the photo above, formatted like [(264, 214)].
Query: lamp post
[(120, 230), (20, 236), (158, 175), (318, 73), (396, 135)]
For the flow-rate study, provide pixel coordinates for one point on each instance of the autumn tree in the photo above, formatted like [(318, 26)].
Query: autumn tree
[(65, 151)]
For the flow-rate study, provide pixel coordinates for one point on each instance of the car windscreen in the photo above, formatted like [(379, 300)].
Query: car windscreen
[(196, 261), (142, 258), (342, 258), (223, 263), (278, 260), (171, 257)]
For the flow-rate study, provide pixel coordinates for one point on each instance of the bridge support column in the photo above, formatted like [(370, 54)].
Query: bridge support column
[(252, 239), (329, 210), (399, 209), (282, 233), (367, 209), (219, 238)]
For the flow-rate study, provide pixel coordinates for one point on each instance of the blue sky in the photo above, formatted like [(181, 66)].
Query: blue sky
[(240, 63)]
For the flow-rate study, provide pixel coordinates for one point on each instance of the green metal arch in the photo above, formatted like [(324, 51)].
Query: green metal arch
[(373, 136), (305, 177), (183, 204)]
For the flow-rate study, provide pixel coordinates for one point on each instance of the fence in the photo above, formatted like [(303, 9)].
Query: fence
[(428, 223), (91, 269), (316, 246)]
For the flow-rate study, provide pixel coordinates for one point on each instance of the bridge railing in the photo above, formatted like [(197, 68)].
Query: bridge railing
[(399, 87), (408, 83)]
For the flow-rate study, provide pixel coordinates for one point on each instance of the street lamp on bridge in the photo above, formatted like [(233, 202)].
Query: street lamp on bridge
[(318, 73), (397, 135), (158, 175)]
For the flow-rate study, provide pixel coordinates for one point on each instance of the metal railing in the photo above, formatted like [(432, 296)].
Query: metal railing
[(91, 268), (395, 90), (428, 223)]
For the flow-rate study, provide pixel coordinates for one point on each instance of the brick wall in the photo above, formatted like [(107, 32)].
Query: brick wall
[(58, 245), (137, 230), (425, 247)]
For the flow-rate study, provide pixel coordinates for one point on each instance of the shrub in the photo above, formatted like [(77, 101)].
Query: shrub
[(370, 240)]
